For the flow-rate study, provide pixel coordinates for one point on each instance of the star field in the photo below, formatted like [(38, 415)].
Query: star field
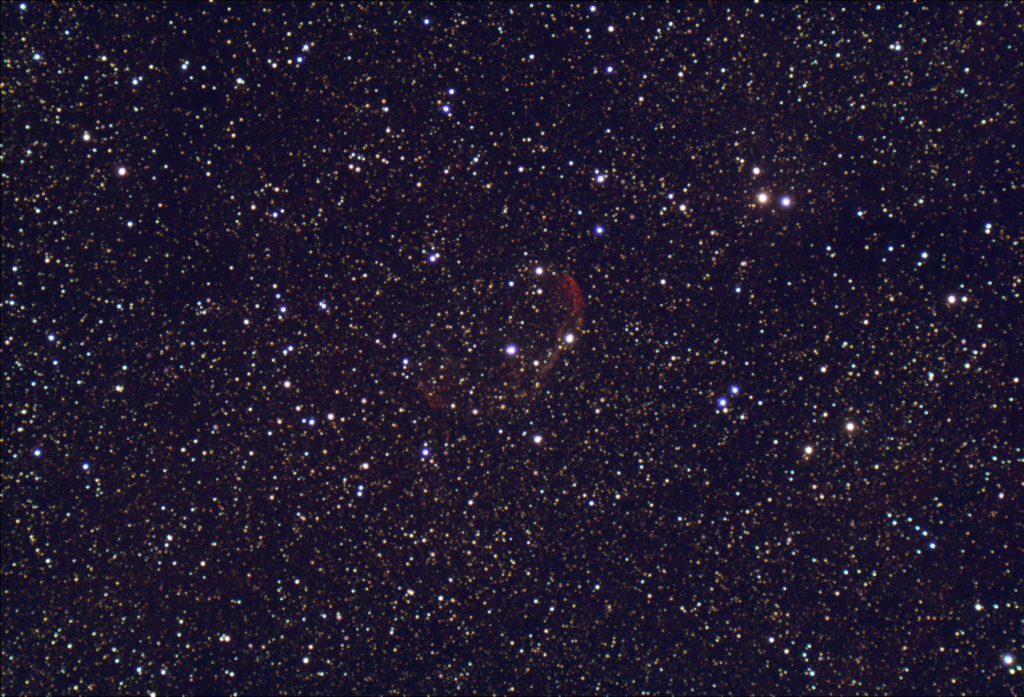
[(512, 348)]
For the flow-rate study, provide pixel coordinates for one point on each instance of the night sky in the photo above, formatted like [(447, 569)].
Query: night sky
[(515, 348)]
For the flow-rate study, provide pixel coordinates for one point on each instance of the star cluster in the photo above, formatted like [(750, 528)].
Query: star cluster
[(511, 347)]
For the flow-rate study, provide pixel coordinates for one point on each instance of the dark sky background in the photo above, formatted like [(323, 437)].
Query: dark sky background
[(516, 348)]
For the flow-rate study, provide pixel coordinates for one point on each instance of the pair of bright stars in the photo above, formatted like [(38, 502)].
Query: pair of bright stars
[(784, 201)]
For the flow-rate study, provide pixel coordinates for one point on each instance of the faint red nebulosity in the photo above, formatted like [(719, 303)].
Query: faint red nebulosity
[(537, 321)]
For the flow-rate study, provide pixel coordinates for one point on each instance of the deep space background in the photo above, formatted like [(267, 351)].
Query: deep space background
[(512, 347)]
